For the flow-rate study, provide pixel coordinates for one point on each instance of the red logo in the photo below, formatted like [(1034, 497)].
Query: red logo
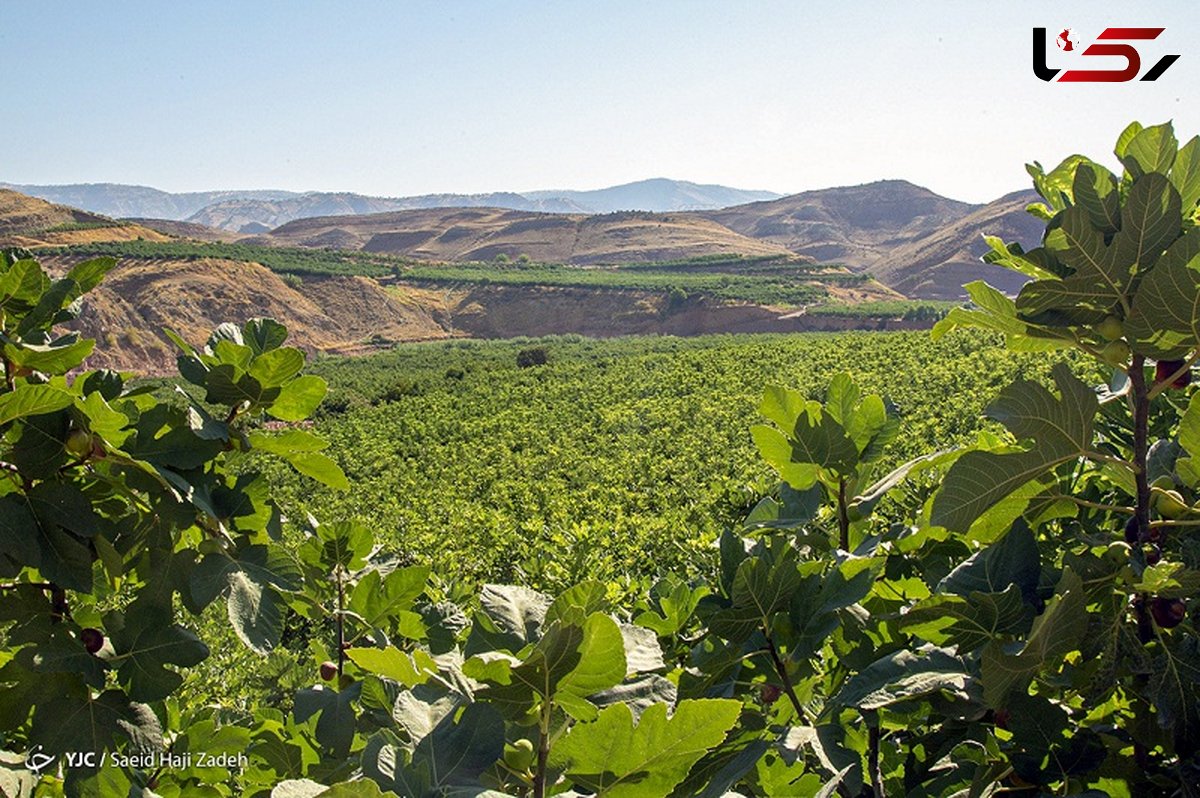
[(1112, 42)]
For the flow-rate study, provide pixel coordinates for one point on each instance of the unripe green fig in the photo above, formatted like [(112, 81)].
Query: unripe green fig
[(1111, 328), (210, 546), (79, 443), (518, 755), (1117, 353), (1170, 504)]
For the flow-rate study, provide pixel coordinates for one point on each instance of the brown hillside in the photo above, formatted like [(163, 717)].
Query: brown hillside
[(855, 225), (452, 234), (127, 312), (199, 232), (937, 265), (30, 222)]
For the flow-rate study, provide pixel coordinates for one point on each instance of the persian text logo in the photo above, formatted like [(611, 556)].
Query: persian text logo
[(1113, 42), (38, 761)]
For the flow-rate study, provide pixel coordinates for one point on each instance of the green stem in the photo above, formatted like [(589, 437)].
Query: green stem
[(781, 670), (341, 622), (843, 517), (1141, 445), (1112, 508), (1154, 524), (1100, 457), (543, 751)]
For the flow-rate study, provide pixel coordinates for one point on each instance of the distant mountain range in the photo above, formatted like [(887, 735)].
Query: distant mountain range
[(259, 211), (907, 237)]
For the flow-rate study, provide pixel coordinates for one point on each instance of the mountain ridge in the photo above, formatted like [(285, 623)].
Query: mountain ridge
[(237, 210), (911, 239)]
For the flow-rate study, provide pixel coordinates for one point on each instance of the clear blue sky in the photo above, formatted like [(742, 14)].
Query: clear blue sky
[(397, 98)]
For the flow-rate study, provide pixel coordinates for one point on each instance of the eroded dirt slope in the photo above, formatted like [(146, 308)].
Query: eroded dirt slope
[(127, 312)]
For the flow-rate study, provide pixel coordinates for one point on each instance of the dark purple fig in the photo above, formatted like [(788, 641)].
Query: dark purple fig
[(1163, 370), (1131, 530), (769, 693), (92, 639), (1168, 612), (329, 671)]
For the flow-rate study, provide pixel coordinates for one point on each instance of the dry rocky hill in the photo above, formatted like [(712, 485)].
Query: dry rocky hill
[(346, 315), (912, 240), (937, 264), (854, 225), (30, 222), (454, 234), (909, 238)]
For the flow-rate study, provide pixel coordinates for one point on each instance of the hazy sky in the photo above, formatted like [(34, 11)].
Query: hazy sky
[(397, 98)]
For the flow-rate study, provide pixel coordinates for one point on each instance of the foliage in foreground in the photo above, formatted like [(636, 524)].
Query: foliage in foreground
[(1029, 628)]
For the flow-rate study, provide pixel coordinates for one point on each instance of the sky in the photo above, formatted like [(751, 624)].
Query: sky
[(402, 98)]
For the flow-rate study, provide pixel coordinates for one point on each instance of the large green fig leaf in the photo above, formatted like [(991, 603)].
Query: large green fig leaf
[(1165, 320), (1059, 429), (904, 675), (613, 758), (453, 753), (760, 589), (995, 311), (1055, 632), (145, 641), (970, 622), (251, 578)]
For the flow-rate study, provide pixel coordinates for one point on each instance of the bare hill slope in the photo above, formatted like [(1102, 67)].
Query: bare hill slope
[(854, 225), (30, 222), (127, 312), (483, 233), (938, 264)]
